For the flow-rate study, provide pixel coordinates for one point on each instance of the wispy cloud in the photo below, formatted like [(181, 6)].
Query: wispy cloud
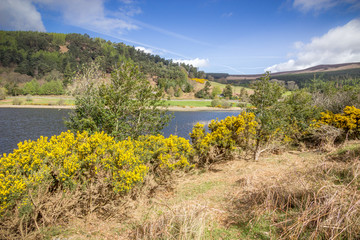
[(338, 45), (323, 5), (227, 15)]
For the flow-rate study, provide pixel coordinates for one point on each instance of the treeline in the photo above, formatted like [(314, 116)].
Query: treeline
[(301, 80), (57, 56)]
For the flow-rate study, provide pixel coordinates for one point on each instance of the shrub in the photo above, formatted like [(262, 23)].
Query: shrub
[(2, 93), (348, 120), (17, 101), (199, 80), (80, 174), (224, 137), (61, 102), (28, 98), (128, 106), (216, 103), (220, 103)]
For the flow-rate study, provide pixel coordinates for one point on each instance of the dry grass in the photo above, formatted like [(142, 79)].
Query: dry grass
[(177, 222), (320, 201)]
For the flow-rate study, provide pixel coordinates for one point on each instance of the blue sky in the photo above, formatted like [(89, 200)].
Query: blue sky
[(232, 36)]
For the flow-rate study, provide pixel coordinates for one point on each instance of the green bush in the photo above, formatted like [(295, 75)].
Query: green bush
[(17, 101), (2, 93), (220, 103)]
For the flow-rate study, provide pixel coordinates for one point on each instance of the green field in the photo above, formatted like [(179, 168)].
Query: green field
[(236, 89), (188, 103), (37, 100)]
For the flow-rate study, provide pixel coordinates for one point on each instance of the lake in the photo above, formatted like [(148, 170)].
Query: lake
[(20, 124)]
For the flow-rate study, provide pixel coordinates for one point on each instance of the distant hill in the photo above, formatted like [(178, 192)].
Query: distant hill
[(300, 77)]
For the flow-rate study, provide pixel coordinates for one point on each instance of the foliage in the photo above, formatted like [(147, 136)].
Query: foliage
[(17, 101), (224, 137), (199, 80), (32, 87), (204, 92), (228, 92), (93, 169), (128, 106), (163, 155), (2, 93), (244, 96), (220, 103), (54, 87), (300, 113), (39, 54), (269, 112), (348, 120), (215, 91)]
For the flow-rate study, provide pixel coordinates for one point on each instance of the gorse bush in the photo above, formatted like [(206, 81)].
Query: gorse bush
[(348, 120), (224, 137), (199, 80), (95, 168)]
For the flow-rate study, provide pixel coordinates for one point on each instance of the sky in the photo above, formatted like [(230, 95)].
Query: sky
[(224, 36)]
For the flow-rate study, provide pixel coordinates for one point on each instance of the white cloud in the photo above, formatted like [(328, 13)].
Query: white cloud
[(92, 17), (338, 45), (145, 50), (87, 14), (196, 62), (323, 5), (20, 15)]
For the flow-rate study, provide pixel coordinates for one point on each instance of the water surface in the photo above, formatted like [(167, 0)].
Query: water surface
[(20, 124)]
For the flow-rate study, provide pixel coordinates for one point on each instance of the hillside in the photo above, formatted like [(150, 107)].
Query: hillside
[(57, 56), (300, 77)]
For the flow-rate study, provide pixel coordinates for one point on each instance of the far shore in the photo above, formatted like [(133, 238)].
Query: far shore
[(172, 108)]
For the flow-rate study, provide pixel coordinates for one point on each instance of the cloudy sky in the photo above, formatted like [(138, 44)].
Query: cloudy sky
[(232, 36)]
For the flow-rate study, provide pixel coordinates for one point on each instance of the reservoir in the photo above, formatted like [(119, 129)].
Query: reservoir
[(20, 124)]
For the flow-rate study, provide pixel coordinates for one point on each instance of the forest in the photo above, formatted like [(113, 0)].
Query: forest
[(56, 57)]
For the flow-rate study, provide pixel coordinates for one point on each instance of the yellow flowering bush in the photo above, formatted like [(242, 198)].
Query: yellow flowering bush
[(69, 161), (224, 136), (348, 120), (163, 155), (199, 80)]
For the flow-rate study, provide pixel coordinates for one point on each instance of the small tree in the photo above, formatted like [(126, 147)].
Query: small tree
[(128, 106), (228, 92), (215, 91), (269, 112)]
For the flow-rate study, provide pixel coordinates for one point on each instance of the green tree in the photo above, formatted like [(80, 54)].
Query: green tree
[(269, 112), (244, 96), (300, 112), (2, 93), (215, 91), (228, 92), (204, 92), (54, 87), (128, 106), (32, 87)]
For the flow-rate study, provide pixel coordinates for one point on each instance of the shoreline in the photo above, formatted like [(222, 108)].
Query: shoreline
[(172, 108)]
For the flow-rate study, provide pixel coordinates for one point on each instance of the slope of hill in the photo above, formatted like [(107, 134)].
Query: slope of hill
[(48, 56)]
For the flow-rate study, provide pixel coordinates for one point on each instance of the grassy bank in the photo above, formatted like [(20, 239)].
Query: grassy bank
[(39, 100), (69, 101)]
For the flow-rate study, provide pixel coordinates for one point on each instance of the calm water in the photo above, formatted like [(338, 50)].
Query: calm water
[(20, 124)]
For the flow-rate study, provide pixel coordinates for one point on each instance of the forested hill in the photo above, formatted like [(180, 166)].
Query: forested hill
[(58, 56)]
